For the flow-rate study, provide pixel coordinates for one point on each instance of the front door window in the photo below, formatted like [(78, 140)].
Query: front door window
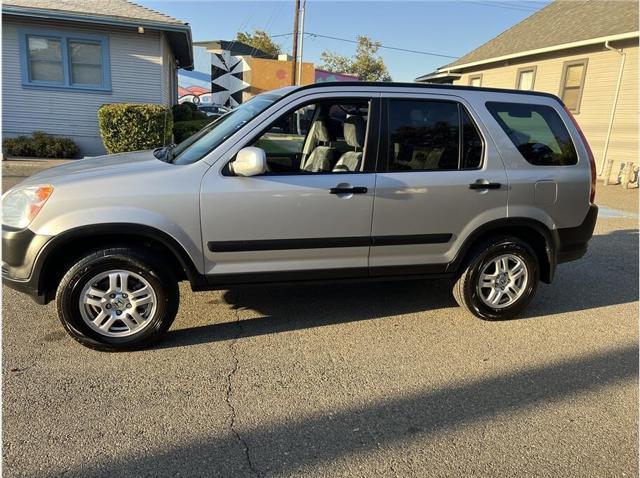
[(317, 138)]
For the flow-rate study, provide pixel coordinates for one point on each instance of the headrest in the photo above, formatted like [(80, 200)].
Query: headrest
[(321, 132), (354, 131)]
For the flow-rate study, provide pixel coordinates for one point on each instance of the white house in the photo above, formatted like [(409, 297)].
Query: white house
[(63, 59)]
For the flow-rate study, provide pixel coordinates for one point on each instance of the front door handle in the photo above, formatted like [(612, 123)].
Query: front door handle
[(482, 184), (353, 190)]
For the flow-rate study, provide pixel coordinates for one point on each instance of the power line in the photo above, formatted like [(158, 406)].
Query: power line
[(536, 3), (276, 11), (500, 5), (513, 6), (318, 35), (242, 26), (519, 8), (486, 3), (510, 3)]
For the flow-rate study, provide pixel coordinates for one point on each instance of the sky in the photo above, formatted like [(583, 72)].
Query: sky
[(451, 28)]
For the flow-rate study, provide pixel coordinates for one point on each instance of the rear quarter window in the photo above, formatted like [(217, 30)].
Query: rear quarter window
[(537, 131)]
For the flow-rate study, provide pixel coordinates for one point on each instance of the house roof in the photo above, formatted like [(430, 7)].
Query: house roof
[(110, 12), (109, 8), (562, 22)]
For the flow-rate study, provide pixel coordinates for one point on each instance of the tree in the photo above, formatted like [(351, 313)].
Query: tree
[(261, 40), (366, 64)]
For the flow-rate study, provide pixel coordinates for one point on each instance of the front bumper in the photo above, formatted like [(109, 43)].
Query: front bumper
[(20, 250), (572, 241)]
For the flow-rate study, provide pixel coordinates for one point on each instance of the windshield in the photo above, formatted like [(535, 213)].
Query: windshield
[(195, 147)]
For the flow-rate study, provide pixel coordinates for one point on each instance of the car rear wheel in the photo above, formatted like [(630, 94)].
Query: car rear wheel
[(499, 280), (117, 299)]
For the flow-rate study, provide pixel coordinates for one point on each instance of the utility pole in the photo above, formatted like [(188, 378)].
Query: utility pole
[(295, 44), (304, 4)]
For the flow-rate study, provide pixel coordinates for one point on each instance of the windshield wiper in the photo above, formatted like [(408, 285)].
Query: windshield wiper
[(165, 153)]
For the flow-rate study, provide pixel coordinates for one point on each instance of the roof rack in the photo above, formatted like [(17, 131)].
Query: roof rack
[(433, 86)]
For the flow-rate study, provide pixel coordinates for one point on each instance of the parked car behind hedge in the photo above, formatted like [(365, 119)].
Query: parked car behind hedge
[(134, 127)]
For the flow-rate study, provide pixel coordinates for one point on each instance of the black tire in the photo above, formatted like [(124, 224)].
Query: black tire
[(159, 277), (465, 289)]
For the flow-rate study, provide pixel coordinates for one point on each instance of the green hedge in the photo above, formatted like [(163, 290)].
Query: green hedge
[(183, 111), (183, 129), (186, 111), (40, 145), (134, 127)]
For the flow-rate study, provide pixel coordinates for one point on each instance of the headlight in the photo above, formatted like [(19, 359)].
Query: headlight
[(21, 205)]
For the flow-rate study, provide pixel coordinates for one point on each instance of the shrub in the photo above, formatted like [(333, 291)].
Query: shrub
[(191, 105), (182, 112), (183, 129), (40, 145), (186, 111), (19, 146), (200, 115), (134, 127)]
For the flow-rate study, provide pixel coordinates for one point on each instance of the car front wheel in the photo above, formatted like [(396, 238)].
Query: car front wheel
[(117, 299)]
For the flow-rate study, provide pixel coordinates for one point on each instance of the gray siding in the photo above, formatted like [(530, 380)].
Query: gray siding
[(136, 77), (169, 88)]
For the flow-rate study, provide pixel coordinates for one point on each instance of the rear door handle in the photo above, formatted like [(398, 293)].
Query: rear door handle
[(353, 190), (484, 185)]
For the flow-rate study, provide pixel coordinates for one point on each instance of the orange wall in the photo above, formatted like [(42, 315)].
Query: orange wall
[(268, 75)]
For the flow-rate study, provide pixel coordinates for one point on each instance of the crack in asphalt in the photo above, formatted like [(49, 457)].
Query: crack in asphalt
[(230, 375)]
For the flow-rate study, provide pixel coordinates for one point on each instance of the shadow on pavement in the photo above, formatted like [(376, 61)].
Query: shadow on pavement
[(607, 275), (287, 308), (285, 447), (612, 260)]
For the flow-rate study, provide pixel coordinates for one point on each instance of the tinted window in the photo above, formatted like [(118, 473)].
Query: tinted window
[(471, 144), (537, 131), (432, 135), (423, 135)]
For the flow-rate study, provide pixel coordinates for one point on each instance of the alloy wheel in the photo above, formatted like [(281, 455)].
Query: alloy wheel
[(502, 281), (117, 303)]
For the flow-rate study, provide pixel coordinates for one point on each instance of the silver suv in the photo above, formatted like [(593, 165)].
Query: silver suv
[(488, 188)]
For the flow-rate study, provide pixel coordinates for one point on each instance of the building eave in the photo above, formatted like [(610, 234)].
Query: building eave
[(563, 46), (438, 77), (179, 35)]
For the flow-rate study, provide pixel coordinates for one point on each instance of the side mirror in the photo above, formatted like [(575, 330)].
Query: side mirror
[(249, 161)]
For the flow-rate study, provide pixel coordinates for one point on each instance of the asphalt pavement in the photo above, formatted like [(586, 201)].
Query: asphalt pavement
[(342, 380)]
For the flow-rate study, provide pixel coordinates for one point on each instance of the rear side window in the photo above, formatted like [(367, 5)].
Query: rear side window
[(471, 155), (432, 135), (537, 132)]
